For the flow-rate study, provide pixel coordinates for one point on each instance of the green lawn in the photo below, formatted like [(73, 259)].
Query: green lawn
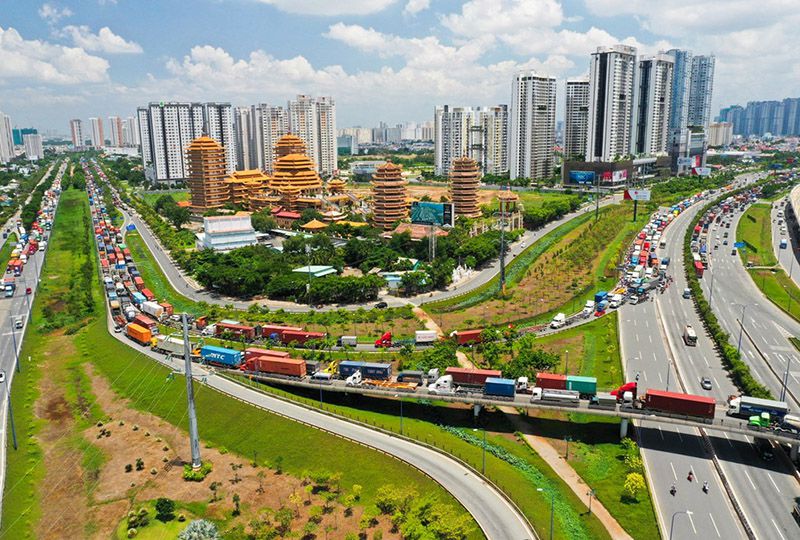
[(151, 197), (779, 288), (8, 247), (156, 529), (154, 277), (452, 430), (755, 229)]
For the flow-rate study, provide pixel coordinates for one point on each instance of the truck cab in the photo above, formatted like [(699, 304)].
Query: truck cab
[(558, 321), (442, 386), (354, 379)]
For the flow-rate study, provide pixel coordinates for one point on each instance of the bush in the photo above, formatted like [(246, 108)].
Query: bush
[(165, 509), (191, 475), (199, 529)]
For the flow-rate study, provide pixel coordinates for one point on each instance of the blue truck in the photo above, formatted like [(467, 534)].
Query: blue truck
[(139, 298), (348, 367), (220, 356), (497, 387), (600, 296)]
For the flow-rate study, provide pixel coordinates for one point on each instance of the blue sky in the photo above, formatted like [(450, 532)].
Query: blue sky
[(390, 60)]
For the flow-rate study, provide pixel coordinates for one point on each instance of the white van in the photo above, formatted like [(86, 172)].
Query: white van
[(558, 321)]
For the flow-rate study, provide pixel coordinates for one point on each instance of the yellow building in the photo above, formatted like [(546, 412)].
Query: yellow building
[(464, 184), (206, 174), (243, 184)]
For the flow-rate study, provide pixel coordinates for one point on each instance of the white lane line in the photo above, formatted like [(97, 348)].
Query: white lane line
[(794, 378), (661, 433), (750, 480), (637, 338), (634, 322), (714, 523), (659, 377), (644, 374), (647, 323), (716, 384), (773, 482), (726, 437), (673, 470), (651, 337), (777, 529), (706, 361), (692, 522), (678, 431)]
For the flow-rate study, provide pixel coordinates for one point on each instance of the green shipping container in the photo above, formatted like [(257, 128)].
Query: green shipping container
[(584, 385)]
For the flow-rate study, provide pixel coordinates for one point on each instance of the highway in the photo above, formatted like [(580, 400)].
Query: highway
[(11, 339), (775, 484)]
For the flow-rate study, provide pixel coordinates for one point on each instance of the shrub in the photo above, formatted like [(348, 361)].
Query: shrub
[(199, 475), (165, 509)]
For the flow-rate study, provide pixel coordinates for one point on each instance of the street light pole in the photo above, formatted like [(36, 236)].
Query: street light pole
[(552, 507), (590, 494), (672, 521), (668, 371), (10, 410), (786, 378), (741, 330), (14, 338)]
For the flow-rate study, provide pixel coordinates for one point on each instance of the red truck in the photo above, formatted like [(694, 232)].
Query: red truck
[(139, 282), (299, 336), (254, 352), (466, 337), (384, 341), (146, 322), (471, 377), (273, 364), (552, 381), (673, 402), (148, 294), (238, 330)]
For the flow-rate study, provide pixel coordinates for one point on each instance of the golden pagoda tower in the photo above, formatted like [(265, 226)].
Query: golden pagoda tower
[(388, 196), (206, 174), (289, 144), (294, 170), (464, 183)]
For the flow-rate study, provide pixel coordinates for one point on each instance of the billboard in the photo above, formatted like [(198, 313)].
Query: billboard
[(638, 194), (432, 213), (619, 176), (702, 171), (581, 177), (685, 162)]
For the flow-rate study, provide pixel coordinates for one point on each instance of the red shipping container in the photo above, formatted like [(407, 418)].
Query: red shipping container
[(475, 377), (551, 380), (300, 336), (139, 282), (464, 337), (167, 308), (270, 329), (148, 294), (280, 366), (673, 402), (145, 321), (248, 332), (253, 352)]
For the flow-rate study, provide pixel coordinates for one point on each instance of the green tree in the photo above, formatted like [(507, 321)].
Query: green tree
[(634, 483), (263, 221), (165, 509)]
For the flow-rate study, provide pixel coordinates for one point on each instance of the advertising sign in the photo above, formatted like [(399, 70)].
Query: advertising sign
[(619, 176), (432, 213), (581, 177), (702, 171), (685, 162), (638, 194)]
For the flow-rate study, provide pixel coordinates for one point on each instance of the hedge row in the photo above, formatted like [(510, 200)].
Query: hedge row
[(731, 358)]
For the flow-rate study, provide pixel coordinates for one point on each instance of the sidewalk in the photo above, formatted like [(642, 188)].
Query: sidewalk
[(567, 474)]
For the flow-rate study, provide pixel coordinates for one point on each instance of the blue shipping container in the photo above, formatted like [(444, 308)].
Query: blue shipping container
[(221, 356), (348, 367), (600, 296), (496, 386), (138, 298), (372, 370)]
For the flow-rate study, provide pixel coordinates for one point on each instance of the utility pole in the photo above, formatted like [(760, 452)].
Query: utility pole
[(502, 247), (194, 438), (14, 338), (10, 410), (596, 197)]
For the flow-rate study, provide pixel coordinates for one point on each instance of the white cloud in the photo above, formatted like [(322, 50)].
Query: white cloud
[(104, 41), (415, 6), (52, 14), (479, 17), (36, 60), (330, 7)]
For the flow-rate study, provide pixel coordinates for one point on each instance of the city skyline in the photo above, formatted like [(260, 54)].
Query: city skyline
[(78, 60)]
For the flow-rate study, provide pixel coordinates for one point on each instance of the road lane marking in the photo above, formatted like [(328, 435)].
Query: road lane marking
[(778, 529), (691, 521), (673, 469), (637, 338), (651, 337), (659, 377), (750, 480), (773, 482), (726, 437), (706, 361), (661, 433), (678, 431), (714, 523), (644, 374)]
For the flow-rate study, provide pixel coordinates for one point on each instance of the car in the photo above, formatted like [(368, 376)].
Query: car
[(633, 299), (28, 290), (705, 383), (2, 376), (18, 323), (716, 246), (725, 242), (117, 329), (381, 305), (733, 251), (687, 293)]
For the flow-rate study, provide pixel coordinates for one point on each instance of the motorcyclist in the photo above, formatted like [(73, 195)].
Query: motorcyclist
[(690, 477), (673, 489), (705, 486)]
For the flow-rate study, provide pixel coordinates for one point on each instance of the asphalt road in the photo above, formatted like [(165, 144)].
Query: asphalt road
[(671, 452), (178, 279), (11, 339)]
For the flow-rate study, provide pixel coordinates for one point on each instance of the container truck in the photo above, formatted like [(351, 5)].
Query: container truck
[(300, 337), (239, 331), (745, 407), (221, 356), (275, 332), (471, 377), (585, 386), (9, 286), (348, 367), (172, 345), (347, 341), (616, 301), (411, 376), (673, 402), (466, 337), (291, 367), (254, 352), (600, 296), (442, 386), (153, 309), (167, 307), (790, 423), (551, 380), (384, 341), (139, 334), (139, 282), (148, 294), (603, 401), (372, 370), (498, 387), (146, 322), (138, 298), (561, 397), (425, 337)]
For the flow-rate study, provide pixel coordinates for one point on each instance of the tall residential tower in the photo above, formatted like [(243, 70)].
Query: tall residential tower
[(576, 118), (533, 125), (700, 90), (651, 107), (76, 132), (314, 121)]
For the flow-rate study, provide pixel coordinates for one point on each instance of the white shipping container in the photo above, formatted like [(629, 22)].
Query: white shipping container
[(425, 336), (170, 344), (152, 308)]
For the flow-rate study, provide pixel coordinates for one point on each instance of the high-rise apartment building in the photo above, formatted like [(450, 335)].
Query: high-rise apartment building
[(533, 126), (269, 123), (681, 79), (576, 118), (701, 88), (243, 132), (735, 115), (480, 133), (651, 105), (778, 118), (76, 132), (611, 83), (115, 131), (720, 134), (167, 128), (19, 133), (6, 139), (314, 121), (97, 134), (130, 132), (34, 150)]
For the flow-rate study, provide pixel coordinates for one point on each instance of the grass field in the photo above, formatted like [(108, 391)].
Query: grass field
[(755, 229), (8, 247), (452, 430), (151, 197), (779, 288)]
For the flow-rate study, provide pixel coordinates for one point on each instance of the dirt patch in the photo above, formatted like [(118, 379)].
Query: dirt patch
[(163, 449)]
